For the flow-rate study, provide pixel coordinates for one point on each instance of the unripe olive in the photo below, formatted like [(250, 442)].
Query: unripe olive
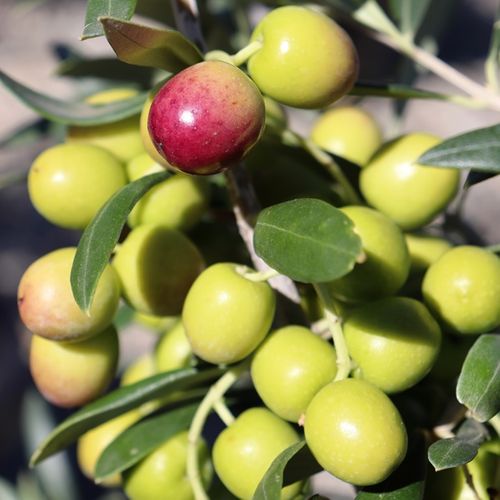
[(225, 315), (409, 193), (178, 202), (46, 303), (290, 367), (162, 474), (69, 183), (206, 118), (425, 250), (143, 367), (121, 138), (243, 452), (349, 132), (174, 350), (394, 342), (306, 59), (387, 262), (462, 289), (73, 374), (91, 444), (355, 432), (157, 266)]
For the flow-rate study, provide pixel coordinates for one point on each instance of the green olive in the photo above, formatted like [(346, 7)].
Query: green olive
[(394, 342), (462, 289), (244, 451), (225, 315), (355, 432), (290, 367), (69, 183), (409, 193), (157, 266), (425, 250), (174, 350), (121, 138)]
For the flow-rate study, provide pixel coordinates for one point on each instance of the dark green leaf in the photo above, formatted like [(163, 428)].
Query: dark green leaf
[(101, 235), (121, 9), (141, 439), (478, 150), (145, 46), (118, 402), (73, 113), (110, 69), (478, 385), (397, 91), (459, 450), (474, 178), (308, 240), (409, 13), (407, 482), (272, 483)]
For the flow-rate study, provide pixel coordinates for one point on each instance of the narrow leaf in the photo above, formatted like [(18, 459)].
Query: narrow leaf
[(397, 91), (118, 402), (308, 240), (145, 46), (73, 113), (141, 439), (273, 481), (474, 178), (121, 9), (409, 13), (478, 150), (478, 385), (101, 235)]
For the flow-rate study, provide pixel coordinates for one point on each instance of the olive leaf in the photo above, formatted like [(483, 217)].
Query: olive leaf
[(308, 240), (73, 113), (166, 49), (101, 235), (478, 385), (119, 401), (121, 9)]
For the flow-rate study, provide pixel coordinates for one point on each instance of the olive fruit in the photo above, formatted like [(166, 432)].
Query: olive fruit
[(178, 202), (91, 444), (46, 304), (425, 250), (157, 266), (162, 474), (142, 367), (72, 374), (387, 261), (355, 432), (174, 350), (462, 289), (69, 183), (349, 132), (394, 342), (226, 316), (206, 117), (290, 367), (409, 193), (122, 138), (307, 60), (243, 452)]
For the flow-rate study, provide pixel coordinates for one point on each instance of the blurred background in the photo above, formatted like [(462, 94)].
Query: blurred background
[(36, 37)]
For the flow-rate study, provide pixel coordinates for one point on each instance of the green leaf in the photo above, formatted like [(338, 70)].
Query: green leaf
[(141, 439), (101, 235), (478, 386), (145, 46), (478, 150), (119, 401), (121, 9), (397, 91), (73, 113), (291, 465), (474, 178), (409, 13), (308, 240), (459, 450)]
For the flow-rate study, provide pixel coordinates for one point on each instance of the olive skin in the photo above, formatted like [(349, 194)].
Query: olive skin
[(355, 432)]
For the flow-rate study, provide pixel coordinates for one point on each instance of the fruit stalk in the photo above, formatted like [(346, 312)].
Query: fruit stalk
[(334, 323), (214, 395)]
